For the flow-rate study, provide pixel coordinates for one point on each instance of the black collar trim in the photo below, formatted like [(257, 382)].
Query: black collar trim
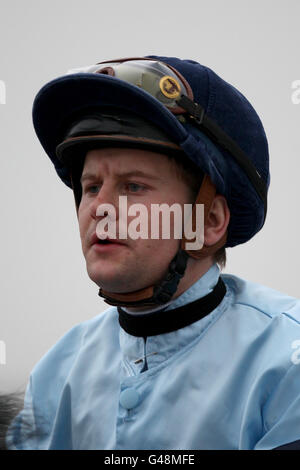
[(157, 323)]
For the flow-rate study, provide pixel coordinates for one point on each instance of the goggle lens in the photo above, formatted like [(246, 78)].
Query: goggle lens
[(155, 77)]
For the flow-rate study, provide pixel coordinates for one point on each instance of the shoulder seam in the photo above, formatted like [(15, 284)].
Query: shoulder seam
[(267, 314), (254, 307), (291, 318)]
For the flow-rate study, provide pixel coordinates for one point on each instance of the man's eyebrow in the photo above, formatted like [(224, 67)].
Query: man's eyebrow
[(127, 174), (87, 176)]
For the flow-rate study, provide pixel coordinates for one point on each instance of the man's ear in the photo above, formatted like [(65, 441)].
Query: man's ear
[(217, 221)]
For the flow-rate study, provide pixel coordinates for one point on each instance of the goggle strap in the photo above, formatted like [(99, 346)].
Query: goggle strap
[(195, 110), (216, 134)]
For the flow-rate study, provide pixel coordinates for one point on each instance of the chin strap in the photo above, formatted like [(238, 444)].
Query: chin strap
[(154, 295), (205, 196), (163, 292)]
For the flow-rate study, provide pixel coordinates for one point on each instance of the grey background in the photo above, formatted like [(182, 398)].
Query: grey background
[(253, 44)]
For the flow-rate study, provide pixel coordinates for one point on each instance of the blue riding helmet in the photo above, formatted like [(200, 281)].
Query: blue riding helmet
[(207, 118)]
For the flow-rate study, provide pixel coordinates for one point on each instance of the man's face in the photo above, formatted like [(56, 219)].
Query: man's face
[(146, 178)]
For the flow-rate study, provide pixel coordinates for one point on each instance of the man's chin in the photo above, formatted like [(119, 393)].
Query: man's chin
[(109, 281), (111, 278), (116, 283)]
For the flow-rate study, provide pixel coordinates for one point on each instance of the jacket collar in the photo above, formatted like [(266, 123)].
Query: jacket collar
[(159, 347)]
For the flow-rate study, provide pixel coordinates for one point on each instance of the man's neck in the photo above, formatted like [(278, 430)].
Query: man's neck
[(195, 270)]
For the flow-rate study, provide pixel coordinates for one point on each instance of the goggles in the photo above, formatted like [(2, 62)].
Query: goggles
[(171, 89), (160, 80)]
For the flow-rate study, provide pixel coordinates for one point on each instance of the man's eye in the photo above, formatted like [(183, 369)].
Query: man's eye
[(134, 187), (93, 189)]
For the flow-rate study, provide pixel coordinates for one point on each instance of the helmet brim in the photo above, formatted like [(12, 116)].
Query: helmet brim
[(59, 100)]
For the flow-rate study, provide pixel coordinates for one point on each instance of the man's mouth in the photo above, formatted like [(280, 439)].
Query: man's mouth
[(105, 241), (108, 242)]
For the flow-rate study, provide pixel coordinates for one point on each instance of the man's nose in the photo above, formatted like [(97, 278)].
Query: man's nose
[(106, 199)]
